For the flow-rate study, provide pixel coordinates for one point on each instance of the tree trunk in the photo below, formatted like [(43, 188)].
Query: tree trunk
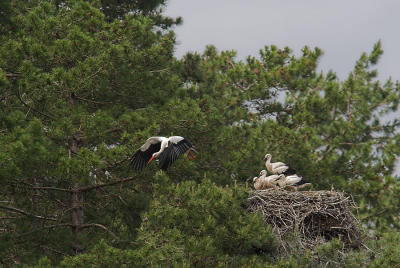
[(77, 215)]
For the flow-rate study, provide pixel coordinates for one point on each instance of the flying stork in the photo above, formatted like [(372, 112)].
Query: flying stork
[(167, 150), (278, 167)]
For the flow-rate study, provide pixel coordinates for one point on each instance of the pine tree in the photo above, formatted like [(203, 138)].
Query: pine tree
[(334, 133), (73, 86), (84, 83), (192, 224)]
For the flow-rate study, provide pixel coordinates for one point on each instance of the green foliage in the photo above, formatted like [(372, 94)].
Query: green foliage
[(84, 83), (77, 84), (201, 224), (191, 224)]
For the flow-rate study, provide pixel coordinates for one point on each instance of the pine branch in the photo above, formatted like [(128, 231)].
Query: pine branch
[(92, 101), (26, 213), (13, 74), (83, 226), (46, 227), (45, 187), (352, 143), (33, 109), (349, 114), (89, 188), (53, 189), (87, 225), (159, 71)]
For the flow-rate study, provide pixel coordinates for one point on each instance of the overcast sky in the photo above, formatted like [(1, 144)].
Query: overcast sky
[(343, 29)]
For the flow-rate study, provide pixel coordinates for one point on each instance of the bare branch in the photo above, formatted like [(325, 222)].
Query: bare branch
[(82, 226), (46, 227), (26, 213), (351, 143), (45, 187), (52, 188), (87, 225), (89, 188), (13, 74)]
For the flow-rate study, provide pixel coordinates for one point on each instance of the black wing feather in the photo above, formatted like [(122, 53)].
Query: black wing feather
[(289, 171), (301, 182), (140, 158), (172, 152)]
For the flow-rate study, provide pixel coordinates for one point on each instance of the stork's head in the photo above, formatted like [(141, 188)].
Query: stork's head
[(155, 155), (267, 156), (263, 173), (255, 178)]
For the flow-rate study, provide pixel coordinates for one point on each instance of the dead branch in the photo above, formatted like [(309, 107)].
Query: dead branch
[(87, 225), (20, 211), (13, 74)]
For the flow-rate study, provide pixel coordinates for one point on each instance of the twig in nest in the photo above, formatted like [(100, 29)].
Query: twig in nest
[(315, 216)]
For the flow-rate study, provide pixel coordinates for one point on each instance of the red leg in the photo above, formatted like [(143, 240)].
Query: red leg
[(192, 154)]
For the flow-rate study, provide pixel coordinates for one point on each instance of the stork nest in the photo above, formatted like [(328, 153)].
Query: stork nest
[(314, 217)]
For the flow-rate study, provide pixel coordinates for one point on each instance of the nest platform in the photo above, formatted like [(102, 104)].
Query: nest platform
[(314, 217)]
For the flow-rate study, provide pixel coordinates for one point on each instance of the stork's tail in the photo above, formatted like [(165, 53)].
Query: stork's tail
[(301, 182)]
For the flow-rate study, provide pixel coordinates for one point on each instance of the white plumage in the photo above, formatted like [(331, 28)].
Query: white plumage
[(278, 167), (167, 150), (293, 181), (264, 182)]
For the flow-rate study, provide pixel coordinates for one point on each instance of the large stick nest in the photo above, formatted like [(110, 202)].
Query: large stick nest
[(312, 216)]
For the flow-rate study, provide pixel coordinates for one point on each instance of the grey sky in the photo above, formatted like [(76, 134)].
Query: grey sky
[(343, 29)]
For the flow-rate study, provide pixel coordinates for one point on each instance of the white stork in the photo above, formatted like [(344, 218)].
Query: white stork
[(167, 150), (263, 182), (278, 167), (293, 181)]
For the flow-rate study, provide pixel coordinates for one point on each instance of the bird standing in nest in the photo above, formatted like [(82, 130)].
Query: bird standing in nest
[(278, 167), (290, 178)]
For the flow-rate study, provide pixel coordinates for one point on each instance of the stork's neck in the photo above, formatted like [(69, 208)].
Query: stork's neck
[(268, 164), (164, 144)]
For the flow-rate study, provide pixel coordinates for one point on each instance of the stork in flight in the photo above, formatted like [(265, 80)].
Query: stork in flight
[(278, 167), (167, 150)]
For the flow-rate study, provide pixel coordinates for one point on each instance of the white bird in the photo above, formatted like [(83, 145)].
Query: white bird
[(293, 181), (278, 167), (167, 150), (263, 182)]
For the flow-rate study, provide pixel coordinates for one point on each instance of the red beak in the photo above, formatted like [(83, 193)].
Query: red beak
[(151, 159)]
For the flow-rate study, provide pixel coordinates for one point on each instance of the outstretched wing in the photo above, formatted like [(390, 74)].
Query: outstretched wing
[(173, 151), (140, 158)]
